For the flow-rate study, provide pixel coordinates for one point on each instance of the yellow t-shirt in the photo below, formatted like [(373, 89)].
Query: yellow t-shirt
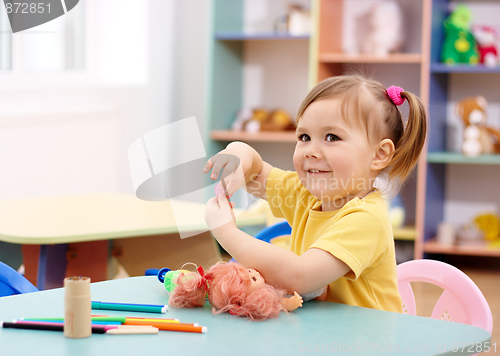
[(359, 234)]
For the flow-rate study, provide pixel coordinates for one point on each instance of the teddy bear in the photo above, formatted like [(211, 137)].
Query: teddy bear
[(260, 119), (459, 45), (478, 138), (486, 38)]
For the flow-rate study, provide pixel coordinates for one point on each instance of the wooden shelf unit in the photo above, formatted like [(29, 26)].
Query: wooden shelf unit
[(263, 136), (436, 248), (333, 57), (442, 86), (457, 158), (425, 197)]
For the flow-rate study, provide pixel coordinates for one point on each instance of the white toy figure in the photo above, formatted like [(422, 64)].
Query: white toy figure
[(380, 30), (486, 38)]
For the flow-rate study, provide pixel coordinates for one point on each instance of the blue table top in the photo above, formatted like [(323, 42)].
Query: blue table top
[(316, 328)]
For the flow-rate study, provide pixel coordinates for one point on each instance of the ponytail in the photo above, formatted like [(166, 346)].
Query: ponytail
[(411, 143)]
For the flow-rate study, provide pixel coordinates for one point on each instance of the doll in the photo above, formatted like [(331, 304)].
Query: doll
[(231, 288)]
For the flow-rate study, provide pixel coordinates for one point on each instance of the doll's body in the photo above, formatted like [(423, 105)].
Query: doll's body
[(231, 288)]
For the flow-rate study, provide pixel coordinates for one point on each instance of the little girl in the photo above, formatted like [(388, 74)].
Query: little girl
[(349, 132)]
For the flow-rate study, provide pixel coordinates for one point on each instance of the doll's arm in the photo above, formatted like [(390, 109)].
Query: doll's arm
[(291, 303)]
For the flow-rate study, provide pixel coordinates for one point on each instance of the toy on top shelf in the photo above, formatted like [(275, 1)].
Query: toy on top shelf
[(459, 45), (379, 31), (260, 119), (299, 20), (478, 138), (487, 37), (231, 288)]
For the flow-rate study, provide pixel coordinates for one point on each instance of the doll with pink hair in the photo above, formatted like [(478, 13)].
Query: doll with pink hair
[(231, 288)]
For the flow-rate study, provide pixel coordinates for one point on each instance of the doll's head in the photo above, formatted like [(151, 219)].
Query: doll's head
[(231, 288)]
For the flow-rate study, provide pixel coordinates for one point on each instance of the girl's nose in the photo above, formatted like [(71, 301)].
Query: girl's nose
[(312, 152)]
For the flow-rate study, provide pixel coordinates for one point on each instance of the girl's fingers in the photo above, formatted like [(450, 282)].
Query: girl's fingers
[(207, 166), (219, 163)]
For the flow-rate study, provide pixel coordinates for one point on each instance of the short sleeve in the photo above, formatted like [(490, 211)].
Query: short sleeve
[(358, 238), (282, 192)]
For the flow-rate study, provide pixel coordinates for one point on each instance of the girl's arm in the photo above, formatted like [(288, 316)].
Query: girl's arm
[(307, 273), (242, 165)]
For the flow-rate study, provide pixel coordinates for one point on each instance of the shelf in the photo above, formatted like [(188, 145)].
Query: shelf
[(263, 136), (458, 158), (405, 233), (333, 57), (463, 68), (434, 247), (243, 36)]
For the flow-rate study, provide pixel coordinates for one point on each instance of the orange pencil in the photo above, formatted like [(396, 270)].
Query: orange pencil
[(169, 326)]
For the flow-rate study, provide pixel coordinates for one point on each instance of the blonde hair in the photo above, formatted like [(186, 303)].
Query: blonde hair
[(365, 103)]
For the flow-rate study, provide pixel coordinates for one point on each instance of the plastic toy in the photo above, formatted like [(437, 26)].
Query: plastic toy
[(489, 224), (478, 138), (459, 45), (231, 288), (397, 212), (487, 37)]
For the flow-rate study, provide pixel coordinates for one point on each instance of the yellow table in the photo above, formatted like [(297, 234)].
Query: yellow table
[(145, 234)]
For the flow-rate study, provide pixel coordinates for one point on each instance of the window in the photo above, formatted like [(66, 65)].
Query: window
[(54, 47)]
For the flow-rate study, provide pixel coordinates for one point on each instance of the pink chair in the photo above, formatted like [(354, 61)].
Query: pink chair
[(461, 301)]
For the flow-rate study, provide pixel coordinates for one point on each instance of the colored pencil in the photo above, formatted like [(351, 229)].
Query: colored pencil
[(106, 320), (145, 308), (193, 328), (38, 325), (96, 329)]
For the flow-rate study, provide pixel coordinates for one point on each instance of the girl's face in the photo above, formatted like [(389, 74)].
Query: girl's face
[(332, 157)]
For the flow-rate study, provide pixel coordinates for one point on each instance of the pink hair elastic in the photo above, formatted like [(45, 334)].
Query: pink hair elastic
[(395, 94)]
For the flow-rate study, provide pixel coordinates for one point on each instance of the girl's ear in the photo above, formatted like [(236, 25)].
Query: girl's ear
[(383, 155)]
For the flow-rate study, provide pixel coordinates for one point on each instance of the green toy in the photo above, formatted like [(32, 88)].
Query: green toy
[(167, 277), (459, 45)]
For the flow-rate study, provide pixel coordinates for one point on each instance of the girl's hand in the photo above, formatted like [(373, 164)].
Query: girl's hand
[(219, 214), (232, 176)]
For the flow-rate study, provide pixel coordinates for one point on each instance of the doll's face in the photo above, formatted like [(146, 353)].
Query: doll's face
[(256, 281)]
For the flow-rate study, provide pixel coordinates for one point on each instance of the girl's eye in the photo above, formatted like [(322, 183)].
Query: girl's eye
[(304, 138), (254, 279), (332, 138)]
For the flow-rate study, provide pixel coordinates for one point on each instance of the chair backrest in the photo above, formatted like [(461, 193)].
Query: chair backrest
[(270, 232), (461, 301), (12, 282)]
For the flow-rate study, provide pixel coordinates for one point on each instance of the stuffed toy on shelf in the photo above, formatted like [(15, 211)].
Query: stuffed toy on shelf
[(260, 119), (459, 45), (478, 137), (487, 39)]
